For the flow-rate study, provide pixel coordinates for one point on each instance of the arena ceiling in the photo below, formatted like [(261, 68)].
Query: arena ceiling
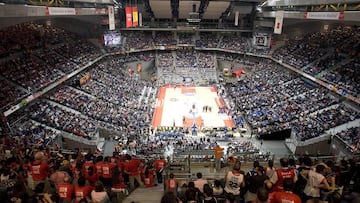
[(207, 9)]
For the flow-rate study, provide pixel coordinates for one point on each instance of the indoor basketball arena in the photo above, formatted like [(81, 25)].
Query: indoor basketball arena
[(179, 101)]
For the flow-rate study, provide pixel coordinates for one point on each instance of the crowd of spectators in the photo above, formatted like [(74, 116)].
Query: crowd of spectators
[(165, 69), (78, 51), (257, 109), (299, 53), (317, 123), (120, 92), (174, 67), (56, 117), (10, 93), (185, 38), (164, 39), (235, 43), (111, 101), (324, 63), (84, 177), (328, 55), (90, 106), (273, 99), (235, 59), (30, 35), (186, 59), (137, 41), (207, 40), (206, 60), (346, 76), (270, 97), (53, 59), (29, 72), (351, 137), (34, 133), (241, 147), (35, 55)]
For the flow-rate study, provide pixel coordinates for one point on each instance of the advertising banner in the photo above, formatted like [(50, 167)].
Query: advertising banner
[(128, 12), (279, 17), (324, 15), (59, 11), (135, 19)]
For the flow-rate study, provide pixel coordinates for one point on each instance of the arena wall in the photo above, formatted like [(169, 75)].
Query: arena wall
[(74, 145), (318, 148)]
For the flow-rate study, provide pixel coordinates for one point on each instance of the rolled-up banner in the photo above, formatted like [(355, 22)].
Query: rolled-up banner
[(111, 17), (236, 23), (140, 19)]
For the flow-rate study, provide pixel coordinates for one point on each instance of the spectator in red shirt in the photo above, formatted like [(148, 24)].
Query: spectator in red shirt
[(106, 172), (171, 183), (281, 174), (286, 195), (118, 185), (66, 190), (40, 170), (159, 166), (131, 167), (82, 190), (87, 164), (98, 165), (91, 176)]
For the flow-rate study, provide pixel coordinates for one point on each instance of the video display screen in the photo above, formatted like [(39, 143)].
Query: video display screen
[(112, 39)]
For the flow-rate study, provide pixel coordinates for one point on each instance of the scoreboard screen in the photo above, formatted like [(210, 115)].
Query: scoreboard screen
[(112, 39)]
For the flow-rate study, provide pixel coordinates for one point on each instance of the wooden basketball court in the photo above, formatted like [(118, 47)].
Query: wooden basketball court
[(186, 106)]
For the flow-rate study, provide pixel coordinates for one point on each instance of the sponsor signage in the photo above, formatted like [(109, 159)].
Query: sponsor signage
[(135, 18), (128, 12), (58, 11), (279, 17), (324, 15)]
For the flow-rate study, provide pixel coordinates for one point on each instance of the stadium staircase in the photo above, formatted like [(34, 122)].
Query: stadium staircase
[(335, 106), (96, 43), (145, 96), (143, 92), (47, 127), (329, 53), (219, 42), (317, 144), (336, 66), (65, 108), (71, 138), (151, 92), (277, 46), (344, 127), (15, 84), (82, 92)]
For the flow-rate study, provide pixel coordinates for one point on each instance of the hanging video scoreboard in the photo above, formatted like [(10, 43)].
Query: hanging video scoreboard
[(112, 39), (261, 40)]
